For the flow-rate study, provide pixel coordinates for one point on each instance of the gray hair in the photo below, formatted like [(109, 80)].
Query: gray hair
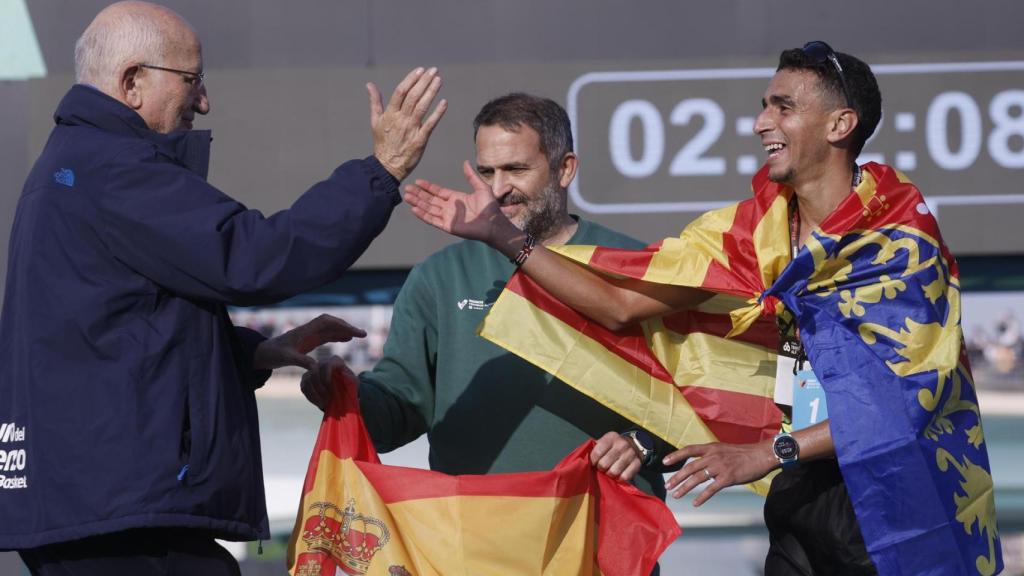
[(545, 116), (116, 39)]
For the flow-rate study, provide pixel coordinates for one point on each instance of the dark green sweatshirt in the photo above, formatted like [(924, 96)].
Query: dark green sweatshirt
[(484, 410)]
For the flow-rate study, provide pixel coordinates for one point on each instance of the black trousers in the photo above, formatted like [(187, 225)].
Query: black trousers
[(145, 551), (812, 528)]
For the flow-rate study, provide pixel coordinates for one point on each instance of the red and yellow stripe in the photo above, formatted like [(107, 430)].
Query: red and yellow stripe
[(362, 517), (698, 376)]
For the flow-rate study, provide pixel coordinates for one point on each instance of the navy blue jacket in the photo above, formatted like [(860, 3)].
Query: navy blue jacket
[(126, 395)]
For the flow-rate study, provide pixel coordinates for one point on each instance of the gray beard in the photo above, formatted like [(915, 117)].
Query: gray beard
[(545, 219)]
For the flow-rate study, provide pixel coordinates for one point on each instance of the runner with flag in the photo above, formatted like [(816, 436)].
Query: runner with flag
[(841, 266)]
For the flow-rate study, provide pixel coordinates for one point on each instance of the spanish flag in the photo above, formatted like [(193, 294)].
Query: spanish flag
[(876, 296), (358, 516)]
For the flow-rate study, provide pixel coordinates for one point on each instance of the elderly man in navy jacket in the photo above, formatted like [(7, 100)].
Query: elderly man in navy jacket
[(130, 430)]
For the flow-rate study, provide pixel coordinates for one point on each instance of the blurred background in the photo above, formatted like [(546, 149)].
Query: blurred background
[(662, 95)]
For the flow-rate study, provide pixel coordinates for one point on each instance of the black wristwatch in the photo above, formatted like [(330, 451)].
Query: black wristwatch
[(786, 450), (643, 443)]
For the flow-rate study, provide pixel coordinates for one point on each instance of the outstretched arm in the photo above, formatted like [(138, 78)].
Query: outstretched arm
[(613, 303)]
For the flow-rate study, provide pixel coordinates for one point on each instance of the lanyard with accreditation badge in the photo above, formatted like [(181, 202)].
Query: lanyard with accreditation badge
[(795, 382)]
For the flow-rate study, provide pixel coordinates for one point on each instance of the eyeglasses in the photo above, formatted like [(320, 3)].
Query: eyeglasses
[(194, 79), (821, 52)]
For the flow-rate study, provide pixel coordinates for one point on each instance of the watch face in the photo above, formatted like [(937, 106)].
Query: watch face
[(786, 448), (644, 445)]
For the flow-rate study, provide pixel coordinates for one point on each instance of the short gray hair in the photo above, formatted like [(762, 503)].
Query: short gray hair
[(117, 40), (545, 116)]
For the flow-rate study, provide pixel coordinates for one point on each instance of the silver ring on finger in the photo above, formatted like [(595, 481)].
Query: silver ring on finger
[(708, 475)]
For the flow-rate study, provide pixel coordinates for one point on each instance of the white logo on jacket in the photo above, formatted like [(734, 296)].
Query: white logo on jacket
[(12, 460), (10, 432)]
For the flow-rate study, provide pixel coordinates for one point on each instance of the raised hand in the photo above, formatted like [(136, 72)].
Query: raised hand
[(476, 216), (292, 347), (399, 131)]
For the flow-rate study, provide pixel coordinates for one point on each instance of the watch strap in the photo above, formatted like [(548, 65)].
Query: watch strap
[(643, 443)]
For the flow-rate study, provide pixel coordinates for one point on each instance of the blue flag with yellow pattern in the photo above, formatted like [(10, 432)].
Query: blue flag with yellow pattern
[(877, 298)]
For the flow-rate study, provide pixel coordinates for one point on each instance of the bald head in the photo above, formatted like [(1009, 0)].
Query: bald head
[(149, 59), (125, 34)]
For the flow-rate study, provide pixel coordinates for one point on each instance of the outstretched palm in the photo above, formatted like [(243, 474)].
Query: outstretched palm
[(475, 216)]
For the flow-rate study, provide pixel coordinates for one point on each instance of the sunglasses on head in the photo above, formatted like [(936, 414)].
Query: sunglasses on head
[(821, 52)]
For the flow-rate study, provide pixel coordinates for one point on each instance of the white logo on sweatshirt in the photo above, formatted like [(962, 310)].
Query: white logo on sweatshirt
[(471, 304)]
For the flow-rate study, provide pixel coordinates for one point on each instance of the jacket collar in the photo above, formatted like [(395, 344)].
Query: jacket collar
[(85, 105)]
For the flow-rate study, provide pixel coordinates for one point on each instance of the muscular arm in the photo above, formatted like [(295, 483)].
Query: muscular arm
[(613, 303)]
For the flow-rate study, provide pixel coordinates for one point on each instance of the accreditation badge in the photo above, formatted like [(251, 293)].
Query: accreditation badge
[(785, 368), (808, 397)]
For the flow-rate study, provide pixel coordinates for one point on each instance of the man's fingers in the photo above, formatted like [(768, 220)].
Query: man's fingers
[(615, 456), (398, 96), (432, 220), (419, 90), (425, 207), (322, 372), (435, 117), (435, 190), (344, 372), (318, 382), (631, 471), (693, 450), (325, 328), (623, 465), (418, 193), (420, 212), (308, 389), (422, 93), (606, 461), (335, 329), (415, 203), (684, 488), (304, 361), (689, 475), (424, 200), (376, 106), (474, 179), (710, 490), (285, 355), (617, 467)]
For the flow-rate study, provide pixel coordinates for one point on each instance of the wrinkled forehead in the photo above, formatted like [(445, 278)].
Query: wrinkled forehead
[(491, 135)]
